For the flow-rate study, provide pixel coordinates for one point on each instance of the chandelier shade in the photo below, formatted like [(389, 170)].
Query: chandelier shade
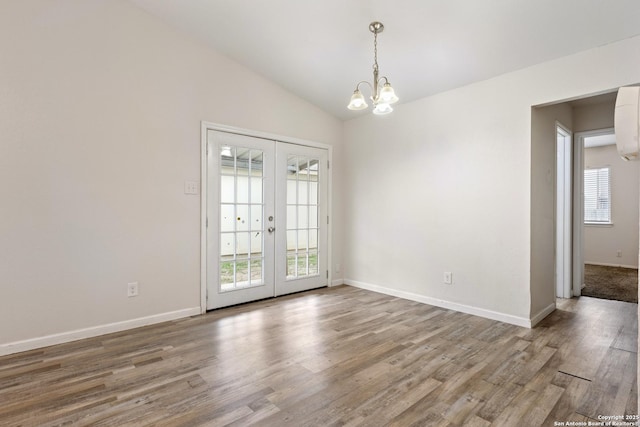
[(357, 101), (382, 108), (387, 94), (382, 98)]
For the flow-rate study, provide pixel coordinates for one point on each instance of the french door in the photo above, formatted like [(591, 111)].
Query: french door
[(266, 218)]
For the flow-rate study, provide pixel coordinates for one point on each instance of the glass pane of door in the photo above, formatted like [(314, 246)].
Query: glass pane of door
[(302, 216), (240, 209)]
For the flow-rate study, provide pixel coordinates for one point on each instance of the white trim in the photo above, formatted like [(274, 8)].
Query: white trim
[(203, 217), (94, 331), (604, 264), (336, 282), (542, 314), (204, 127), (563, 211), (476, 311), (264, 135), (330, 217), (577, 227)]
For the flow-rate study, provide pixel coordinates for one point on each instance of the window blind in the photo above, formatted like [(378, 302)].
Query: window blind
[(597, 195)]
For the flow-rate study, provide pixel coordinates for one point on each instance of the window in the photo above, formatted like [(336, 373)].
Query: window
[(597, 196)]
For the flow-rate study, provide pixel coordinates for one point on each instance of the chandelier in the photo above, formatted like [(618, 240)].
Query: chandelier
[(382, 97)]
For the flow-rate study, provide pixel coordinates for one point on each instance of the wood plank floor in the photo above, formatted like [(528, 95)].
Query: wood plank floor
[(335, 357)]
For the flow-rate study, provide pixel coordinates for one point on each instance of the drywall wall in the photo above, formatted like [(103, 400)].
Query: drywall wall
[(445, 184), (100, 113), (543, 189), (594, 116), (602, 242)]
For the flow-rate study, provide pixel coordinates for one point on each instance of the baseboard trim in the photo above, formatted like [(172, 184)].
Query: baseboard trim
[(78, 334), (604, 264), (542, 314), (337, 282), (476, 311)]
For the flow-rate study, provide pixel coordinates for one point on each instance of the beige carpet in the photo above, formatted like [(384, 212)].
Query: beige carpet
[(614, 283)]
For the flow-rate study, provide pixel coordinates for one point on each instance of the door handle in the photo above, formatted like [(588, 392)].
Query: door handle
[(271, 229)]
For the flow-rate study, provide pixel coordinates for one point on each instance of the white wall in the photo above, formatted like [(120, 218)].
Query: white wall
[(594, 116), (543, 193), (468, 207), (100, 111), (601, 243)]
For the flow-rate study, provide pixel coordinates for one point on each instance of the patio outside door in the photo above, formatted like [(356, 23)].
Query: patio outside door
[(265, 201)]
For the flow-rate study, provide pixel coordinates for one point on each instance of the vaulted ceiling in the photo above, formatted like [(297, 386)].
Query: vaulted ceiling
[(320, 49)]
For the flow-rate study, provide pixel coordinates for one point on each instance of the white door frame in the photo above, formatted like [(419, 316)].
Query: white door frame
[(206, 126), (578, 213), (563, 270)]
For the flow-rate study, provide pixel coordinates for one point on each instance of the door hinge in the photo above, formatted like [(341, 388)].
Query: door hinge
[(327, 274), (328, 165), (206, 222), (327, 219)]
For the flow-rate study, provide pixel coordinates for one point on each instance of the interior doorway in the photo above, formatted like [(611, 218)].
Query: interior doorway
[(556, 132), (266, 222), (610, 231)]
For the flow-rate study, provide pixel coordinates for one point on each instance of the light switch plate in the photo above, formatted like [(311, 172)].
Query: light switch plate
[(191, 187)]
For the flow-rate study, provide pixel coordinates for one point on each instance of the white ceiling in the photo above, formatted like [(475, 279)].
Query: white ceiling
[(319, 49), (600, 140)]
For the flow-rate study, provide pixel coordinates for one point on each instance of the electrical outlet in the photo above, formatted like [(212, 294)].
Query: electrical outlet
[(338, 268), (448, 278), (132, 289), (619, 253)]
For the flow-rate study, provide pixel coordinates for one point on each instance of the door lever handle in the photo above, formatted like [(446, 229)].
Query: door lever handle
[(271, 229)]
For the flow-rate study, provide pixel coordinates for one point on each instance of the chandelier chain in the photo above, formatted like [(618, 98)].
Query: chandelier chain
[(375, 50)]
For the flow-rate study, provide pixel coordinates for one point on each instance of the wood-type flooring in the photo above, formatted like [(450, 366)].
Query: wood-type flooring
[(337, 356)]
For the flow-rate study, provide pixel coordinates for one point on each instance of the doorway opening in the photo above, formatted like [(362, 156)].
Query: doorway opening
[(610, 230), (551, 127)]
